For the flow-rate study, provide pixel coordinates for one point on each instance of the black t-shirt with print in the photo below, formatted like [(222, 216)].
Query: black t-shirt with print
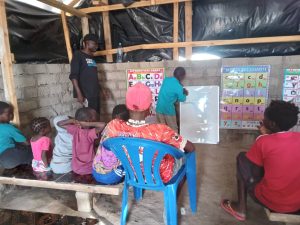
[(84, 69)]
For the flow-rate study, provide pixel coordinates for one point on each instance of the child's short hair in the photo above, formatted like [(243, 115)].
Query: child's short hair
[(3, 106), (37, 124), (84, 114), (120, 111), (283, 114)]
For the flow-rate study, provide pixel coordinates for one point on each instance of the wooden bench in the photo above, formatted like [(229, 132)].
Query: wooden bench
[(281, 217), (84, 186)]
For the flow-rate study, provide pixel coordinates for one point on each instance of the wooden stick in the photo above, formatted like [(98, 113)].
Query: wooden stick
[(6, 64), (188, 28), (134, 5), (73, 3), (276, 39), (66, 35), (63, 7), (101, 189), (85, 26), (175, 29), (107, 33)]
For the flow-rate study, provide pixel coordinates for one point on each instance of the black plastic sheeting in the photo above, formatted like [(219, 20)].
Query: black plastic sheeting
[(36, 35)]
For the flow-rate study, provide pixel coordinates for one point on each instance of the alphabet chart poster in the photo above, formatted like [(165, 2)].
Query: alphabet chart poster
[(244, 96), (152, 78), (291, 88)]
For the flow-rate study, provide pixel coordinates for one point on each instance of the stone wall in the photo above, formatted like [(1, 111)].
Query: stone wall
[(45, 89)]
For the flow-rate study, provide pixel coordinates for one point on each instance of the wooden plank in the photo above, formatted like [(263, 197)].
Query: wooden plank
[(73, 3), (277, 39), (280, 217), (107, 33), (6, 64), (66, 35), (188, 28), (85, 26), (175, 29), (113, 7), (63, 7), (100, 189)]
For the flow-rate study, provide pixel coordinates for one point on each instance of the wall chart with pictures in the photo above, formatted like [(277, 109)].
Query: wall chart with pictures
[(244, 96), (152, 78)]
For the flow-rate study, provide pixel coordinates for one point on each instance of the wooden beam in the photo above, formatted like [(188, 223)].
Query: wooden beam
[(188, 28), (6, 64), (63, 7), (66, 35), (85, 26), (259, 40), (101, 189), (73, 3), (107, 33), (113, 7), (175, 29)]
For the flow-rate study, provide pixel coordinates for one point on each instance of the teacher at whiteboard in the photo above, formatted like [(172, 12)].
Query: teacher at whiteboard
[(171, 91)]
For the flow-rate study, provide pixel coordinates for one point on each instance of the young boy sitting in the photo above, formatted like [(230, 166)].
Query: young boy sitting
[(14, 148), (84, 129), (269, 172)]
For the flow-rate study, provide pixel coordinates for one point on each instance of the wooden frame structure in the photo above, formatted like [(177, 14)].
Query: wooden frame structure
[(6, 56)]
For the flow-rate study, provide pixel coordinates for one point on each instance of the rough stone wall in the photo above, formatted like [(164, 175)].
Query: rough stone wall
[(45, 89)]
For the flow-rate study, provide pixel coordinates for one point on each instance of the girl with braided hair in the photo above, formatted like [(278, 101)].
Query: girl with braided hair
[(41, 144)]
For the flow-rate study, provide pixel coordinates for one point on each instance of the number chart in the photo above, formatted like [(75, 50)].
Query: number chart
[(153, 78), (244, 96)]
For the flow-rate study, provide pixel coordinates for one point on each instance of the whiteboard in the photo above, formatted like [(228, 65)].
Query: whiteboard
[(199, 115)]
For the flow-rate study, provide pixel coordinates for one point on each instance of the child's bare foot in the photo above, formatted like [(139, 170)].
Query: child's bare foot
[(232, 209)]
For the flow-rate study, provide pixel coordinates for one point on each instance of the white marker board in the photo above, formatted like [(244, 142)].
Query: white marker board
[(199, 115)]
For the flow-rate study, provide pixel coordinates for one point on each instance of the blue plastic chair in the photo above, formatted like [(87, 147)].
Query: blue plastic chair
[(149, 179)]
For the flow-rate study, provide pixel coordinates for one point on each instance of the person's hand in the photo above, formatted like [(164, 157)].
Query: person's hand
[(80, 99), (185, 92)]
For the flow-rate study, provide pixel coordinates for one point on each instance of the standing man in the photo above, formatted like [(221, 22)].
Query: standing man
[(171, 91), (84, 74)]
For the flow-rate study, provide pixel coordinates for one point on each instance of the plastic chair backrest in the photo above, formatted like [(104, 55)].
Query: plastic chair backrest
[(146, 173)]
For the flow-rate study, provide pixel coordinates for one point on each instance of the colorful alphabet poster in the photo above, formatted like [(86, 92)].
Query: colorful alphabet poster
[(291, 87), (152, 78), (244, 96)]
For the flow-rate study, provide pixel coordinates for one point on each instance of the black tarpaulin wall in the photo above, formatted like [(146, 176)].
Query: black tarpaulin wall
[(36, 35)]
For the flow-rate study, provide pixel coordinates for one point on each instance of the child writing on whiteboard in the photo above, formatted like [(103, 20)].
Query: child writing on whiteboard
[(171, 92)]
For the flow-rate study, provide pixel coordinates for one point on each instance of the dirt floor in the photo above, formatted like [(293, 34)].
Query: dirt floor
[(216, 180)]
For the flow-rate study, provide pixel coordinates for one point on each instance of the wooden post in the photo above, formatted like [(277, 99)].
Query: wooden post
[(188, 28), (67, 35), (6, 64), (107, 33), (175, 29), (85, 26)]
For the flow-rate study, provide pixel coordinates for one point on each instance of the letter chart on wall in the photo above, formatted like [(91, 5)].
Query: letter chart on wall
[(152, 78), (244, 96), (291, 87)]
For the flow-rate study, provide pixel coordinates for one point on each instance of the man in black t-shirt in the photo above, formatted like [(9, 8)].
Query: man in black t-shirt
[(84, 74)]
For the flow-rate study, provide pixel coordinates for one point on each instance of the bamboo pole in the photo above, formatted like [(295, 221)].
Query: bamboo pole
[(259, 40), (66, 35), (6, 64), (107, 33), (188, 28), (85, 26)]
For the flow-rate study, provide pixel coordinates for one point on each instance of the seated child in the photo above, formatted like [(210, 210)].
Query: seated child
[(269, 172), (14, 148), (138, 102), (106, 166), (62, 151), (84, 130), (41, 144)]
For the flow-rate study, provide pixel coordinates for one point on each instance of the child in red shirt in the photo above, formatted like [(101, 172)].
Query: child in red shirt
[(270, 171)]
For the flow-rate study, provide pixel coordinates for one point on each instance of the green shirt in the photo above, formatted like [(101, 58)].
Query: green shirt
[(9, 135), (170, 92)]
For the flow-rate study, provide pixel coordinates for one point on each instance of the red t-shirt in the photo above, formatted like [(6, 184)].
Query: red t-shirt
[(279, 154), (155, 132)]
